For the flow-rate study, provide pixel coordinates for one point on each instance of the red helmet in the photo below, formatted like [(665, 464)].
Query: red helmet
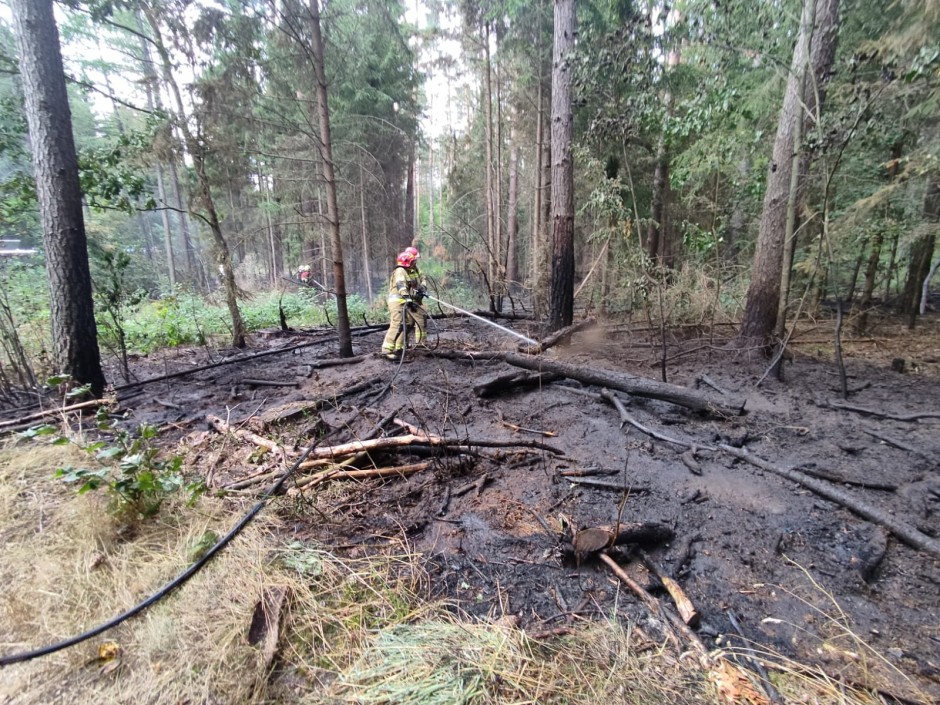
[(406, 258), (413, 251)]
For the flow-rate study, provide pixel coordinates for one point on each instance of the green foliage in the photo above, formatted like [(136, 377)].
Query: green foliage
[(141, 478)]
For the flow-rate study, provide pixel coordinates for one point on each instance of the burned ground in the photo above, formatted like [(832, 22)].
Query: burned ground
[(805, 577)]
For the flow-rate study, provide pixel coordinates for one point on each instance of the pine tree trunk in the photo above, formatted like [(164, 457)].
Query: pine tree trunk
[(74, 332), (760, 314), (332, 210), (167, 231), (197, 153), (489, 196), (512, 217), (921, 255), (366, 271), (871, 271), (561, 297)]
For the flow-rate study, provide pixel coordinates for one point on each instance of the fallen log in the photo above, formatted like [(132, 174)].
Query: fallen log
[(637, 386), (555, 338), (907, 533), (503, 383)]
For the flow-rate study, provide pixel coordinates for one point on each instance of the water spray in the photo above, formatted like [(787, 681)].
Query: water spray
[(487, 322)]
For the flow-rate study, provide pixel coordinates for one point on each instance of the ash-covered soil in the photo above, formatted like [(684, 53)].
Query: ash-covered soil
[(804, 577)]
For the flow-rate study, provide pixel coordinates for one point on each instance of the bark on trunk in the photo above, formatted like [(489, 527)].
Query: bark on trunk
[(512, 217), (921, 255), (561, 299), (74, 332), (197, 152), (332, 211), (760, 313)]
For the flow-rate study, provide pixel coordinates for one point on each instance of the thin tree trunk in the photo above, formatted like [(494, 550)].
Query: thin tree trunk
[(167, 232), (512, 217), (431, 192), (536, 236), (491, 213), (332, 211), (197, 154), (409, 234), (193, 268), (871, 272), (366, 272)]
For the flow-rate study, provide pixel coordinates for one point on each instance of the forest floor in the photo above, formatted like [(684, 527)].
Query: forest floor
[(804, 577)]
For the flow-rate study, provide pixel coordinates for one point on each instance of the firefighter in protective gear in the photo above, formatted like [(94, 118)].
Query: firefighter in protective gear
[(406, 289)]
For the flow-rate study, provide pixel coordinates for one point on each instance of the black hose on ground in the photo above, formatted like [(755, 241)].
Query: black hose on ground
[(173, 584)]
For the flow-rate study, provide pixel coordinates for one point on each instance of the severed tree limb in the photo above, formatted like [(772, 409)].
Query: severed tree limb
[(834, 477), (625, 418), (167, 404), (251, 382), (687, 610), (331, 362), (881, 414), (58, 410), (260, 441), (756, 662), (907, 533), (898, 444), (605, 485), (394, 442), (556, 337), (653, 605), (522, 429), (705, 379), (637, 386), (501, 384), (323, 476)]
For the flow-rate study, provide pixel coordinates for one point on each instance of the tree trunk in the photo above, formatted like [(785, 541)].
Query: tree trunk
[(409, 234), (512, 217), (921, 255), (561, 298), (492, 249), (197, 152), (536, 236), (194, 270), (74, 332), (167, 231), (760, 313), (654, 245), (366, 271), (871, 271), (332, 211)]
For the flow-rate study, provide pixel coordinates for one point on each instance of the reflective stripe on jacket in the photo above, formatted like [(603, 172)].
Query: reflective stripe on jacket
[(403, 282)]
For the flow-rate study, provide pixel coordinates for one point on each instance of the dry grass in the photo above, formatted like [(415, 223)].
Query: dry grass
[(352, 632)]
